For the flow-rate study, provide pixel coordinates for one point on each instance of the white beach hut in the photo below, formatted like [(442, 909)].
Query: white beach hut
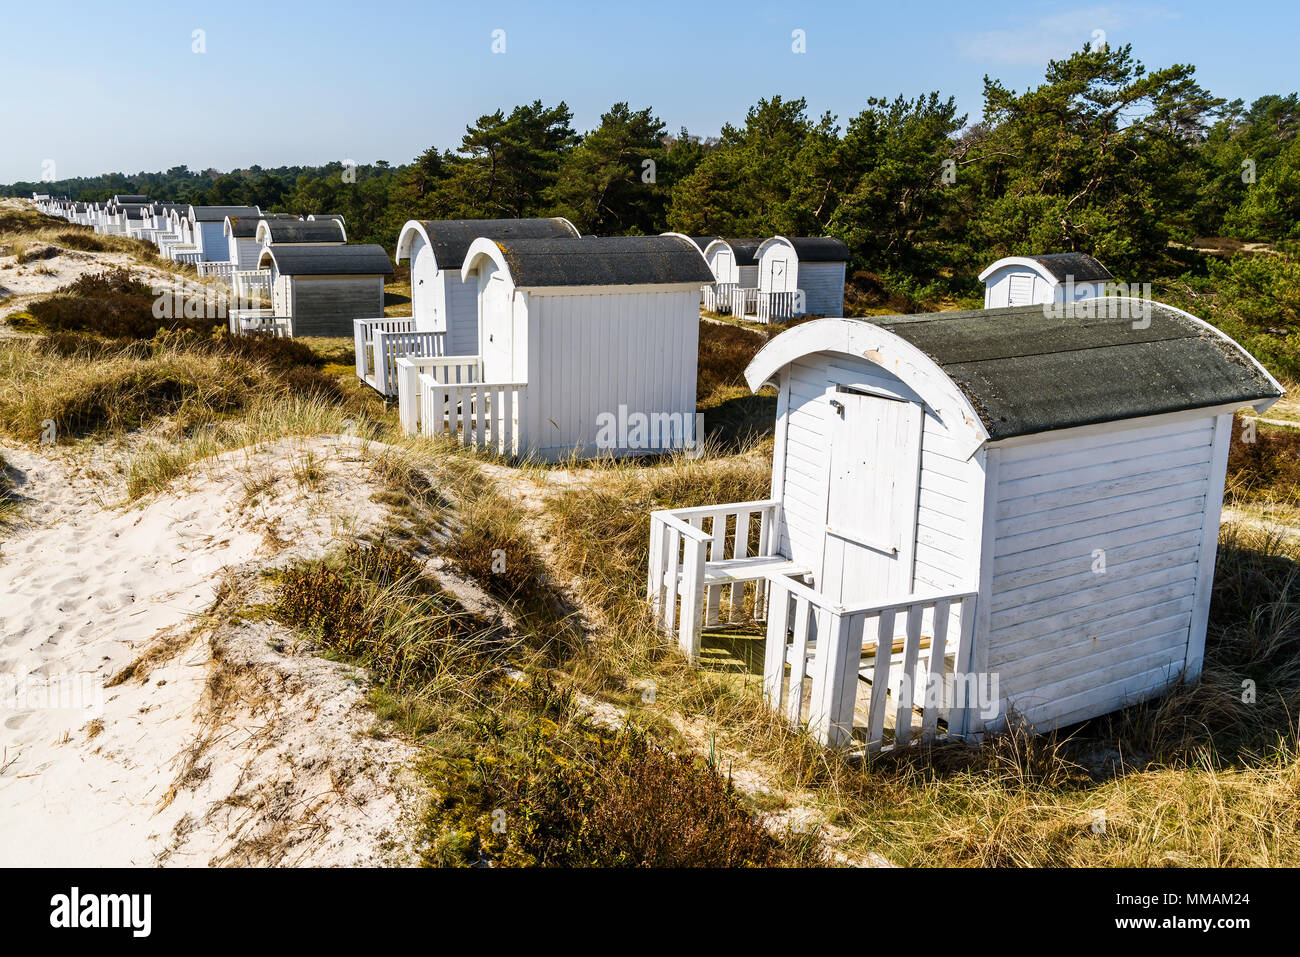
[(317, 289), (586, 346), (444, 308), (1023, 509), (1056, 277), (796, 277), (734, 264)]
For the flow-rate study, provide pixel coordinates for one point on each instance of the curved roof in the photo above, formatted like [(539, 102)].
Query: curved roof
[(450, 239), (810, 249), (245, 227), (1025, 371), (317, 217), (122, 199), (301, 231), (744, 251), (612, 261), (1056, 267), (701, 242), (216, 214), (320, 260)]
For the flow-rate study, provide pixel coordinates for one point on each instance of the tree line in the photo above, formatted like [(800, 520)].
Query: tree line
[(1102, 156)]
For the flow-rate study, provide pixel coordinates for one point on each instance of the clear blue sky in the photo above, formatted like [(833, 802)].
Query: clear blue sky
[(116, 87)]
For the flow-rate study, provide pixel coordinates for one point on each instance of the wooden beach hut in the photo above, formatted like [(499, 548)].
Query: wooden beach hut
[(973, 515), (586, 347)]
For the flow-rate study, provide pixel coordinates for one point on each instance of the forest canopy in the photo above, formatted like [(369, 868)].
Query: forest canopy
[(1102, 156)]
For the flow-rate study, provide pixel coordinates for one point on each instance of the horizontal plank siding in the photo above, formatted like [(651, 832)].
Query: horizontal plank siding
[(1095, 563)]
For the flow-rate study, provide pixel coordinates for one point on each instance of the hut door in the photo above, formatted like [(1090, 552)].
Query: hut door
[(722, 260), (875, 460), (776, 275), (496, 316)]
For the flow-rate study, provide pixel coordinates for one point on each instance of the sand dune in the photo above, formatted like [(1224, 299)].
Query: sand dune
[(215, 748)]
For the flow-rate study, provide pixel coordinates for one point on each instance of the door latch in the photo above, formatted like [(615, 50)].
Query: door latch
[(838, 407)]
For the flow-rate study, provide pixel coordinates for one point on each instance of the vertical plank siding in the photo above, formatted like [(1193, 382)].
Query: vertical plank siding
[(596, 353), (327, 306)]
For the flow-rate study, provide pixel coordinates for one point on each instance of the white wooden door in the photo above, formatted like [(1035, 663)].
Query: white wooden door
[(498, 327), (1021, 291), (777, 275), (874, 477), (722, 266)]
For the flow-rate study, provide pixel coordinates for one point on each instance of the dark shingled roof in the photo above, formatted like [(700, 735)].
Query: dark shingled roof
[(613, 261), (245, 227), (451, 238), (316, 260), (1026, 372), (303, 231), (745, 250), (819, 249), (1082, 267), (123, 200), (217, 214)]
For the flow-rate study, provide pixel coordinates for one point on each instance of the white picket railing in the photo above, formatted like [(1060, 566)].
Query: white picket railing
[(916, 650), (718, 295), (449, 370), (185, 253), (765, 306), (717, 565), (245, 321), (709, 559), (363, 340), (744, 302), (223, 271), (778, 306), (482, 415), (248, 284), (389, 345)]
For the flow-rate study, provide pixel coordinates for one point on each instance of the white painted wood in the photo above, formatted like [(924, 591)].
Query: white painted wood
[(1212, 517)]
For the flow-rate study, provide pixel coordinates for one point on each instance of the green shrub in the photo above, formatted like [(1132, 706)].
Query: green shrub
[(494, 548), (128, 397), (555, 792), (110, 304)]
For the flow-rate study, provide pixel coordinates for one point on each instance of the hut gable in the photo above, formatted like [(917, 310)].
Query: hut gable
[(801, 276), (1054, 277), (450, 239), (440, 300)]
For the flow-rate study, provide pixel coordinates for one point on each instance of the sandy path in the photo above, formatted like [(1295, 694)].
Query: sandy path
[(224, 750)]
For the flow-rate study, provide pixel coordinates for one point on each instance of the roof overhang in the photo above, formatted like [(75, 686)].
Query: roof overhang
[(1023, 262), (413, 230), (771, 241), (481, 251)]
